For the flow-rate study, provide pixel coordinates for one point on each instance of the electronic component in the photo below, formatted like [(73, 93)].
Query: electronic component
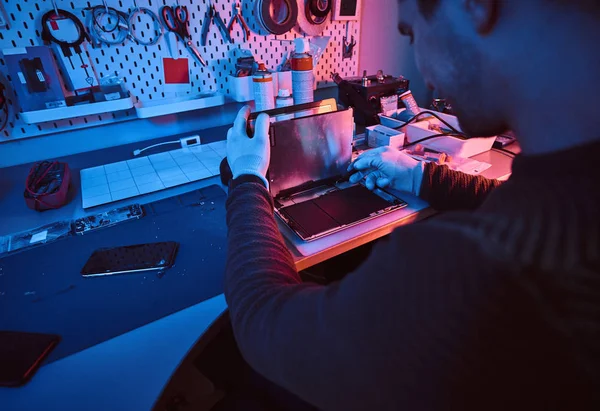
[(371, 90), (504, 140), (190, 141), (131, 259), (35, 78), (34, 237), (33, 72), (108, 219)]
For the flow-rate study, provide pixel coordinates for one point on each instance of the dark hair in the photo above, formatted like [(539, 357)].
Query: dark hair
[(427, 7)]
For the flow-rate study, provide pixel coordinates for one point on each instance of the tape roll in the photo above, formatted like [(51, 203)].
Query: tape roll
[(319, 8), (307, 23), (263, 11)]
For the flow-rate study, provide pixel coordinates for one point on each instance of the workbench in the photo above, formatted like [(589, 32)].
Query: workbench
[(131, 370)]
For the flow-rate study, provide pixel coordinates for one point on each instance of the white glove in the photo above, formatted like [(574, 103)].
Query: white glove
[(247, 155), (388, 167)]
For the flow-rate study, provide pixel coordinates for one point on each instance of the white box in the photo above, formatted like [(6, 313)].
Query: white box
[(241, 89), (447, 144), (379, 135)]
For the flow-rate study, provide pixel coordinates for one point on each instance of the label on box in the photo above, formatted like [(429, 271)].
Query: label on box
[(41, 236), (56, 104), (21, 77), (112, 96)]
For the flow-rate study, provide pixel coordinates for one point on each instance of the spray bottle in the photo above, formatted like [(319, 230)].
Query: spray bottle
[(303, 77), (262, 80)]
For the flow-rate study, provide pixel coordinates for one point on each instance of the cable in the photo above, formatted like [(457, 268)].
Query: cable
[(504, 151), (158, 27), (119, 33), (432, 113), (460, 136), (48, 37), (138, 152)]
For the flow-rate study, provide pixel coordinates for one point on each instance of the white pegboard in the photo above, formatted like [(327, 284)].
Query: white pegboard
[(140, 66)]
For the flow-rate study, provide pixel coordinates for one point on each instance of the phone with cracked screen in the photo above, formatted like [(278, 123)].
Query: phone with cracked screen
[(131, 259)]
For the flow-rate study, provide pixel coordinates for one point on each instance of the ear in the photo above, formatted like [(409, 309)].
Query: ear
[(483, 13)]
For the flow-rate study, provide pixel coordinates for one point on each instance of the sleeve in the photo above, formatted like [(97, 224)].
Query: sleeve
[(370, 341), (447, 189)]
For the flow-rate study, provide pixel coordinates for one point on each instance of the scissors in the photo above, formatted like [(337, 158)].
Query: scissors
[(175, 20)]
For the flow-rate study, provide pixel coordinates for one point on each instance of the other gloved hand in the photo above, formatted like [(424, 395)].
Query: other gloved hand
[(247, 155), (387, 167)]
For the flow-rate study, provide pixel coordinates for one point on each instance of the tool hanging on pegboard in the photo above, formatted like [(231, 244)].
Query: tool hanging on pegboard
[(348, 46), (140, 60), (139, 38), (65, 32), (237, 16), (313, 16), (212, 17), (176, 20), (107, 25), (284, 21)]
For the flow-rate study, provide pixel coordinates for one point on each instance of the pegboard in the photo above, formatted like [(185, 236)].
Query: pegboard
[(141, 66)]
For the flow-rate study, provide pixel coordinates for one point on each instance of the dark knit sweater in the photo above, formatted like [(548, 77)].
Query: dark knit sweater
[(496, 308)]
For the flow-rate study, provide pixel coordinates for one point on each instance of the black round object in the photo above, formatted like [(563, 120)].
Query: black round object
[(319, 8), (226, 174), (263, 9)]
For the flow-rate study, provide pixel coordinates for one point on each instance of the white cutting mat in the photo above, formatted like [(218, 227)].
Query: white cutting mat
[(125, 179)]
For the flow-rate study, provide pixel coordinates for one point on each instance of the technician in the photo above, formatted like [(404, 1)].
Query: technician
[(493, 306)]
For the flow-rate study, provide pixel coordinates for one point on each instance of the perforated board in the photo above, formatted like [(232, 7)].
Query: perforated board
[(141, 66)]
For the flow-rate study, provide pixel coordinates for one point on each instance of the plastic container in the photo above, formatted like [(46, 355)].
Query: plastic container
[(450, 145), (303, 77)]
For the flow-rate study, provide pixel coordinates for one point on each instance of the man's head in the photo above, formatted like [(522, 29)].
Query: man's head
[(473, 51)]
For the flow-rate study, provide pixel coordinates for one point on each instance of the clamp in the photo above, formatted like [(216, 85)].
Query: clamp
[(237, 15), (212, 16)]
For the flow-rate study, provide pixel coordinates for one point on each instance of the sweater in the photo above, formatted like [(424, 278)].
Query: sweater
[(492, 306)]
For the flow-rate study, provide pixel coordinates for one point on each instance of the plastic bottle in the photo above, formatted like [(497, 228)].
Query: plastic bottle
[(303, 77), (263, 89), (284, 99)]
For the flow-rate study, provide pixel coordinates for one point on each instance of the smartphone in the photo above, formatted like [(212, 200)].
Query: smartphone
[(131, 259), (21, 354)]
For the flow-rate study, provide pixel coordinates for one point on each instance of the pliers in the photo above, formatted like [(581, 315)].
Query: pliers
[(237, 15), (212, 15)]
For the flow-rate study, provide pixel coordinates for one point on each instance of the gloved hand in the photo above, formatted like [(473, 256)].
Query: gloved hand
[(388, 167), (247, 155)]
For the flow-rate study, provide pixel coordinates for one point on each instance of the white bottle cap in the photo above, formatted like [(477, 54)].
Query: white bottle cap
[(284, 92), (301, 45)]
